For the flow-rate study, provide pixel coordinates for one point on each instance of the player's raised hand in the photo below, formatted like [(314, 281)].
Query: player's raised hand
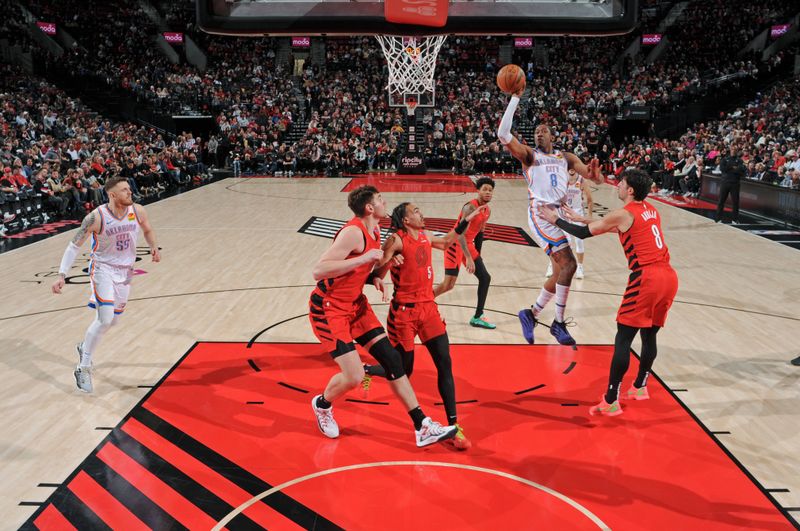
[(476, 212), (373, 255)]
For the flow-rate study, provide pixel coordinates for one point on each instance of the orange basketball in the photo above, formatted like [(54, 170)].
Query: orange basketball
[(511, 79)]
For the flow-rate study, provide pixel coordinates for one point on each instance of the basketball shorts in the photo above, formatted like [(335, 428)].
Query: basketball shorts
[(111, 286), (338, 325), (546, 235), (454, 257), (407, 321), (648, 297)]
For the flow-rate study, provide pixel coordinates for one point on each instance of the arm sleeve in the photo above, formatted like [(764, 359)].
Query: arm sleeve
[(579, 231), (461, 227), (504, 131), (70, 254)]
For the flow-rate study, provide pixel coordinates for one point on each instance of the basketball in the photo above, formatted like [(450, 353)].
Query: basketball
[(511, 79)]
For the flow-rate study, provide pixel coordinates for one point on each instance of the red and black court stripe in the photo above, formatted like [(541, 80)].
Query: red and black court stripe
[(497, 233), (149, 474)]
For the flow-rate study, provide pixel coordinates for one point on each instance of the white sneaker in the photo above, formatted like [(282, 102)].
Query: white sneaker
[(433, 432), (79, 350), (325, 421), (83, 379), (549, 270), (579, 272)]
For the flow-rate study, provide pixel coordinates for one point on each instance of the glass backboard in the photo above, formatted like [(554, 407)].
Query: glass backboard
[(465, 17)]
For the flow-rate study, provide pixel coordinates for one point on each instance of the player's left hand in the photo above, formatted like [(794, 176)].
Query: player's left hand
[(156, 254), (476, 212), (380, 286), (397, 260), (549, 213)]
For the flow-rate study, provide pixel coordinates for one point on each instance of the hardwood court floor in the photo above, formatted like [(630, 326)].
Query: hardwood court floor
[(234, 263)]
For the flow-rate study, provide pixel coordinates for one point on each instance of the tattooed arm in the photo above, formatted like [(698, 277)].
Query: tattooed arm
[(90, 225), (462, 241)]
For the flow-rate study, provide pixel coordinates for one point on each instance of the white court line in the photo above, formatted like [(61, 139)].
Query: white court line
[(575, 505)]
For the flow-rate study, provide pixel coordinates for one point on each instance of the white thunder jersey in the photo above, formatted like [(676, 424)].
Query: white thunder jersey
[(115, 244), (548, 177), (575, 195)]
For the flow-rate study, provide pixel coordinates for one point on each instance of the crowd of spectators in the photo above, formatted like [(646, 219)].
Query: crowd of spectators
[(53, 147), (765, 134), (335, 118)]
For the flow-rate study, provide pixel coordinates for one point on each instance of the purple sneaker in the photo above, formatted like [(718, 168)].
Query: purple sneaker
[(559, 331), (528, 322)]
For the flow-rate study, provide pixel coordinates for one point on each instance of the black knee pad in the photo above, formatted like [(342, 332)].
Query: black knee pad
[(389, 358)]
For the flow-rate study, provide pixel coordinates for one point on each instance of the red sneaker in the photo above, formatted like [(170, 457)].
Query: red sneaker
[(606, 409), (460, 440), (637, 393)]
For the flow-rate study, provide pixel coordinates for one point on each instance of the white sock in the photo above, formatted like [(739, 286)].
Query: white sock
[(105, 318), (541, 302), (561, 301)]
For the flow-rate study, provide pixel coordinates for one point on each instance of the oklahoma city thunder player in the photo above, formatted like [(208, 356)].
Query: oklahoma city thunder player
[(546, 172), (577, 189), (114, 228)]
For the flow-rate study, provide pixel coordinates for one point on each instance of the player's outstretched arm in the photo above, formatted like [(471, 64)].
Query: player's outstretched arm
[(334, 261), (149, 233), (590, 171), (619, 220), (519, 151), (89, 225)]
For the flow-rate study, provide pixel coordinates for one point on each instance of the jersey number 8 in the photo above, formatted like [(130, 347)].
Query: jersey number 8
[(553, 180), (657, 234)]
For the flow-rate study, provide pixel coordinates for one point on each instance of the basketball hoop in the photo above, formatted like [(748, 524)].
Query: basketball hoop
[(412, 63)]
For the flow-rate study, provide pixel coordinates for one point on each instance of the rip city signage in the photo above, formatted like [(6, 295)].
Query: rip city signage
[(411, 160), (79, 274)]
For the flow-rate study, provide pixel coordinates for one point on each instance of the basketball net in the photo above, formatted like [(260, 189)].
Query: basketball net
[(412, 64)]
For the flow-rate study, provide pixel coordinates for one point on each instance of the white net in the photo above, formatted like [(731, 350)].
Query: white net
[(412, 63)]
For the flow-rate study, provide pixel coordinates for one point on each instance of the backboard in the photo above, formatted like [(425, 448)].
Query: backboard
[(464, 17)]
